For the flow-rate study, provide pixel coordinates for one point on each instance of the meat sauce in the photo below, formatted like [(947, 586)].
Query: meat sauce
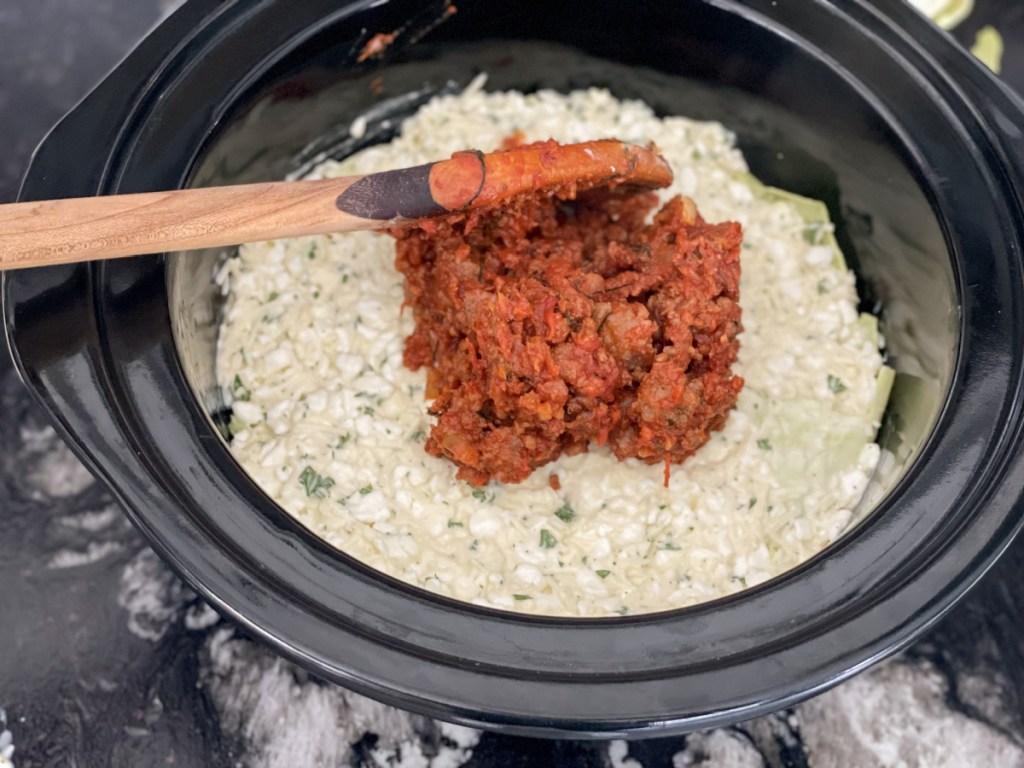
[(546, 324)]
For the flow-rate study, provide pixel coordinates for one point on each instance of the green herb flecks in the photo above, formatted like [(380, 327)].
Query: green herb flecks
[(522, 597), (547, 541), (454, 524), (481, 495), (239, 391), (366, 489), (565, 513), (764, 444), (604, 574), (835, 384), (812, 234), (316, 485)]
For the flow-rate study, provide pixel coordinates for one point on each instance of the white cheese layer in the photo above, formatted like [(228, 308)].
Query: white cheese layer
[(331, 424)]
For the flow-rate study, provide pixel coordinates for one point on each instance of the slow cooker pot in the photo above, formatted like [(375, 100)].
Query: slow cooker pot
[(917, 151)]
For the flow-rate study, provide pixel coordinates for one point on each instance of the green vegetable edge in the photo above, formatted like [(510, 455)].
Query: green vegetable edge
[(811, 211), (816, 212)]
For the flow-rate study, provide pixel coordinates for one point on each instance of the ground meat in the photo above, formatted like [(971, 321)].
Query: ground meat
[(546, 324)]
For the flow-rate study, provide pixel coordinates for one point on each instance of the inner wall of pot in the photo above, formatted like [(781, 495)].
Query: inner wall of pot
[(800, 126)]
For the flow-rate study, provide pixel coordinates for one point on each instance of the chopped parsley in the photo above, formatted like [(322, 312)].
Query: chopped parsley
[(812, 234), (312, 252), (454, 524), (565, 513), (522, 597), (764, 444), (622, 611), (273, 296), (670, 546), (366, 489), (752, 502), (480, 494), (836, 384), (316, 485), (239, 391), (547, 541), (603, 573), (343, 440), (418, 436), (366, 410)]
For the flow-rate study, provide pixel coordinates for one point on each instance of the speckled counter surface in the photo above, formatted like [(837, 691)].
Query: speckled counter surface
[(107, 659)]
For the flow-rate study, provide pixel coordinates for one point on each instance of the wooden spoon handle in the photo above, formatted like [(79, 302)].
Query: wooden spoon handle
[(37, 234), (84, 229)]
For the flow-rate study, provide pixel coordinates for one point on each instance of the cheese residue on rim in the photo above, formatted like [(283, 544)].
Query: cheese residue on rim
[(331, 424)]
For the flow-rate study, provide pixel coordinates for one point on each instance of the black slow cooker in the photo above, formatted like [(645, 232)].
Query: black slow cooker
[(917, 151)]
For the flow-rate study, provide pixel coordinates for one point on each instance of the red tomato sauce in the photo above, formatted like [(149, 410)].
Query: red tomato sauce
[(546, 325)]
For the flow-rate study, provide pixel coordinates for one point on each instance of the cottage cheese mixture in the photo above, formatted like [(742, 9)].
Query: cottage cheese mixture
[(331, 424)]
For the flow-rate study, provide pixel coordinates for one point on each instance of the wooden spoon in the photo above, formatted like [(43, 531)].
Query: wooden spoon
[(35, 234)]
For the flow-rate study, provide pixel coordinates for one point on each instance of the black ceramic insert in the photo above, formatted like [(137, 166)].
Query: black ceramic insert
[(849, 102)]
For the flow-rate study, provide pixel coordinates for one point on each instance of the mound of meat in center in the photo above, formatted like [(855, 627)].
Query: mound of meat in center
[(547, 324)]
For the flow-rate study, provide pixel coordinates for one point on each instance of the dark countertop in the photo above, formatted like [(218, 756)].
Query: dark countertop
[(107, 659)]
